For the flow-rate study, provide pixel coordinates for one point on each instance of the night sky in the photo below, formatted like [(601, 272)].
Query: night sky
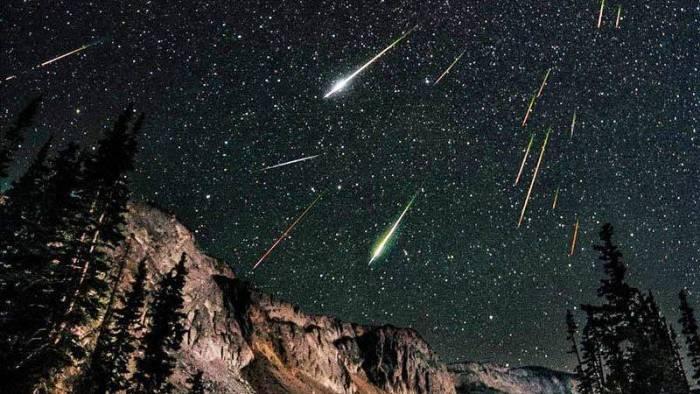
[(231, 87)]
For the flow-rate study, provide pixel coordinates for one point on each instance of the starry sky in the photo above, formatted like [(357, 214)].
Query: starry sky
[(231, 87)]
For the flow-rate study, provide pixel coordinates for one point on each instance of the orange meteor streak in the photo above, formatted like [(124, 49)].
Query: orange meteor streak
[(286, 232), (573, 240)]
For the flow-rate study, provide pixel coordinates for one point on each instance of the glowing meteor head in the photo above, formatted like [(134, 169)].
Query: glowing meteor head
[(340, 85)]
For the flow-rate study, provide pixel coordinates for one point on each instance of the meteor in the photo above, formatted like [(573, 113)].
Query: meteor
[(600, 15), (82, 48), (343, 82), (449, 68), (55, 59), (556, 199), (544, 82), (379, 248), (522, 165), (572, 249), (288, 163), (286, 232), (529, 110), (573, 125), (619, 14), (534, 178)]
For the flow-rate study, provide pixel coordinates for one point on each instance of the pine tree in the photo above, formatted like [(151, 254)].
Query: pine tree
[(591, 371), (627, 345), (104, 185), (165, 333), (11, 137), (196, 383), (690, 331), (108, 371), (571, 332)]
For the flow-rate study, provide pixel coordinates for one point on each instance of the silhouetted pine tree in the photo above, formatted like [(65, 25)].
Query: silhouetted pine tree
[(690, 331), (11, 137), (592, 375), (196, 383), (571, 332), (164, 336), (87, 196), (28, 274), (653, 365), (627, 346), (105, 186), (108, 370)]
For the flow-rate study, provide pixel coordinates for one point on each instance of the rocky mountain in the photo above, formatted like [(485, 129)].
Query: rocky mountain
[(491, 378), (245, 341)]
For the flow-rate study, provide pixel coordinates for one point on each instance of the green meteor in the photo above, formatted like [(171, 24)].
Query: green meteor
[(379, 248)]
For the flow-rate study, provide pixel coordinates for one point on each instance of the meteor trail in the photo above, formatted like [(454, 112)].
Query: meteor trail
[(544, 82), (289, 162), (82, 48), (573, 240), (449, 68), (573, 125), (379, 248), (343, 82), (600, 15), (534, 178), (286, 232), (556, 199), (619, 14), (529, 110), (522, 165), (57, 58)]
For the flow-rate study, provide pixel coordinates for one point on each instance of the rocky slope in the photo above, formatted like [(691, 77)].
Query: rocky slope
[(491, 378), (245, 341)]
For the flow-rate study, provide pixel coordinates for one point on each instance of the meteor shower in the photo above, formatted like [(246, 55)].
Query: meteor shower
[(350, 197)]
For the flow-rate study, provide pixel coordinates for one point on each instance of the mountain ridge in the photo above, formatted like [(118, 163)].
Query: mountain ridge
[(245, 341)]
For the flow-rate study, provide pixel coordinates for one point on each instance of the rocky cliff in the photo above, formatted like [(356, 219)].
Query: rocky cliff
[(245, 341)]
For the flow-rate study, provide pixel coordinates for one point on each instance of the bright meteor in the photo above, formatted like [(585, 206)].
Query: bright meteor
[(55, 59), (379, 248), (286, 232), (82, 48), (289, 162), (343, 82), (534, 178), (449, 68)]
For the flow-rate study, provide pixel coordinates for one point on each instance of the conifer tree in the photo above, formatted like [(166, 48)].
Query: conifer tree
[(164, 336), (11, 137), (108, 370), (571, 332), (690, 331)]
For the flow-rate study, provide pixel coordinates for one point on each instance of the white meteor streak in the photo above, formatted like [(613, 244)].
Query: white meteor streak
[(573, 125), (544, 82), (449, 68), (534, 178), (379, 249), (343, 82), (600, 15), (289, 162), (522, 165), (82, 48)]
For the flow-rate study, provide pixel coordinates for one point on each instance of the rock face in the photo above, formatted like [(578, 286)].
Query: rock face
[(492, 378), (245, 341)]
